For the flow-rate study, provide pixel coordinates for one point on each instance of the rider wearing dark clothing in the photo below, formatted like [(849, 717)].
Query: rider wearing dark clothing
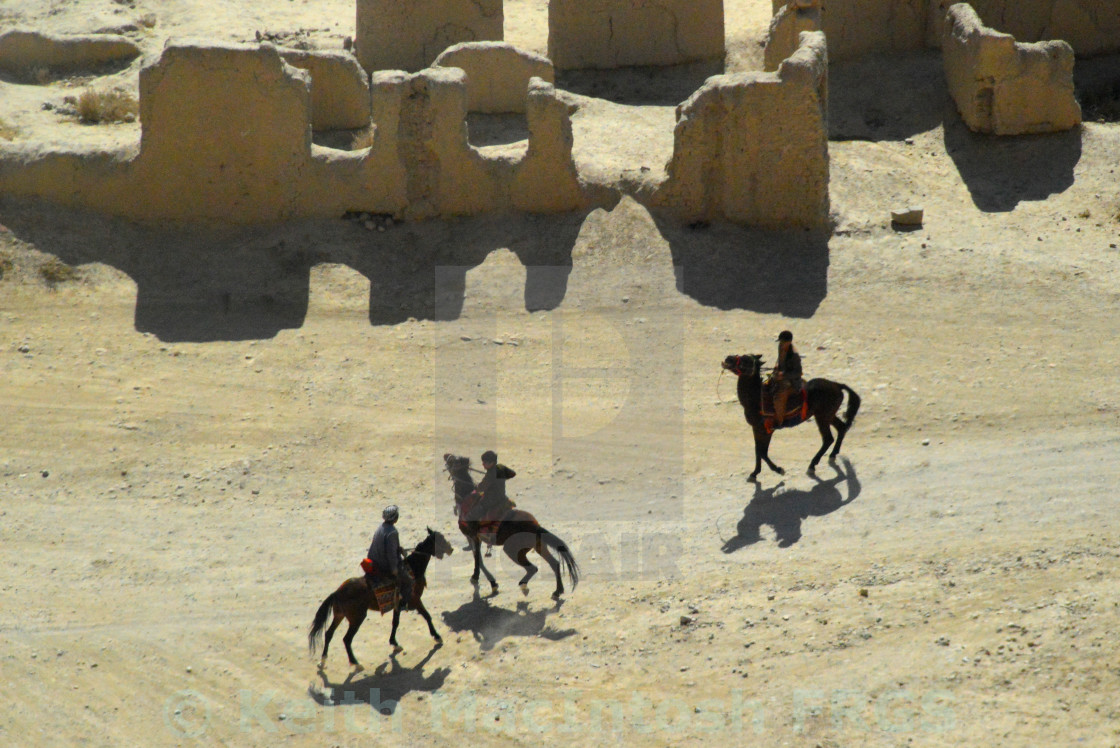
[(385, 553), (786, 377), (493, 501)]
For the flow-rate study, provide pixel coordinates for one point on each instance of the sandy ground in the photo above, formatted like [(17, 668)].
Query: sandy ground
[(199, 430)]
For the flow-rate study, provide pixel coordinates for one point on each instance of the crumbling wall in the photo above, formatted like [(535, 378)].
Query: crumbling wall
[(786, 26), (498, 74), (446, 176), (753, 147), (339, 88), (621, 33), (1090, 27), (546, 180), (398, 35), (857, 28), (23, 51), (226, 136), (1004, 87)]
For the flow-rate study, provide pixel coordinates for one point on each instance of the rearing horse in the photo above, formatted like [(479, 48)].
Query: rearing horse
[(518, 532), (824, 400)]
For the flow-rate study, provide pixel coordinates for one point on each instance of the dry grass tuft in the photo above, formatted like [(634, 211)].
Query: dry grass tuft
[(113, 105), (7, 132), (55, 271)]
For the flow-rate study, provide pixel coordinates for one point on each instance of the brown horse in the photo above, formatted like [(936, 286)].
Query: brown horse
[(518, 532), (824, 400), (354, 598)]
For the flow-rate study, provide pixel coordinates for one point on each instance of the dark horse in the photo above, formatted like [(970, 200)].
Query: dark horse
[(825, 398), (354, 598), (518, 532)]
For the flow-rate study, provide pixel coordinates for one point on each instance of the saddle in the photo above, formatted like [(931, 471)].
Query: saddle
[(797, 409)]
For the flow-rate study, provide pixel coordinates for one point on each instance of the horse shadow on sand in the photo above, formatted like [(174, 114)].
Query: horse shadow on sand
[(489, 624), (785, 509), (383, 688)]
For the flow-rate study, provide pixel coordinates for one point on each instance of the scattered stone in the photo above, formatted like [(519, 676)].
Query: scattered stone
[(943, 641), (907, 216), (685, 620), (863, 592), (25, 348)]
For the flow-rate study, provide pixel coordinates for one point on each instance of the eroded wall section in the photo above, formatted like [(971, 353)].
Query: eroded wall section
[(753, 147), (1090, 27), (786, 26), (857, 28), (498, 74), (622, 33), (1004, 87), (409, 34), (226, 136)]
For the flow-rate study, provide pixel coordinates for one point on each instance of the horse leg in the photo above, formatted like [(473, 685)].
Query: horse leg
[(826, 439), (520, 555), (841, 431), (355, 624), (479, 565), (396, 622), (762, 453), (543, 550), (327, 638), (427, 617)]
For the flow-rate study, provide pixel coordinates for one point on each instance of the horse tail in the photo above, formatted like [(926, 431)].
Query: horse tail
[(561, 548), (853, 404), (315, 633)]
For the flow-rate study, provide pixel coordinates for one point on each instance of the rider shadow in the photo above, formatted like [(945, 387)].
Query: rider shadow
[(784, 510), (490, 624), (383, 688)]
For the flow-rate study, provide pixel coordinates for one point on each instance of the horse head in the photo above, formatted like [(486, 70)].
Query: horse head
[(748, 364), (440, 545)]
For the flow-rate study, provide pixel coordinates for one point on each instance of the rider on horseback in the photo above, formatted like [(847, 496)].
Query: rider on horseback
[(493, 502), (385, 555), (786, 377)]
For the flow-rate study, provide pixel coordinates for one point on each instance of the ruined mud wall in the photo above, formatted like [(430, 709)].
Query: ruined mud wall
[(339, 88), (409, 35), (857, 28), (226, 136), (1090, 27), (498, 74), (753, 147), (23, 51), (1004, 87), (621, 33), (786, 26)]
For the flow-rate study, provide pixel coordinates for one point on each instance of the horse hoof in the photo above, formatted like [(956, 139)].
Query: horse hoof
[(358, 668), (524, 589), (438, 638), (556, 595), (474, 581), (397, 649), (752, 478)]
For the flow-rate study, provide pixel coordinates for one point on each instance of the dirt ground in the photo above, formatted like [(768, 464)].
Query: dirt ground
[(200, 426)]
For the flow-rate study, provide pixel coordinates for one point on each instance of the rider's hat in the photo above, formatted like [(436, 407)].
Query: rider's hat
[(489, 456), (390, 513), (785, 336)]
